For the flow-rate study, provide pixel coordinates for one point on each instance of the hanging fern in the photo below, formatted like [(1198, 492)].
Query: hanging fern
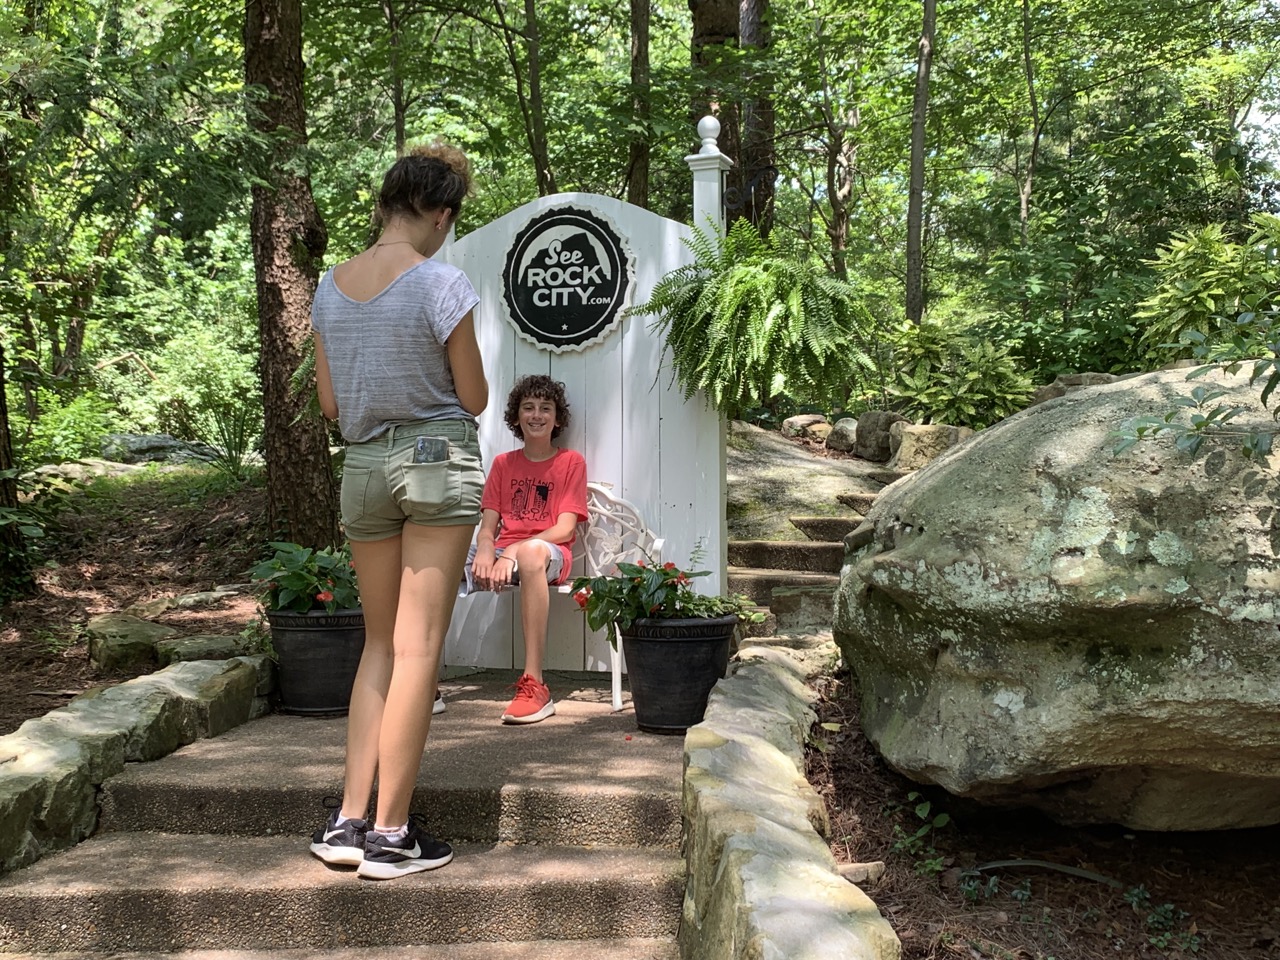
[(749, 326)]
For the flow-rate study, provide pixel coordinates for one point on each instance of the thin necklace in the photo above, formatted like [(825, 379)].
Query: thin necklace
[(390, 243)]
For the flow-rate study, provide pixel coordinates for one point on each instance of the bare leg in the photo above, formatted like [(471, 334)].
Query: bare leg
[(535, 602), (378, 567), (431, 566)]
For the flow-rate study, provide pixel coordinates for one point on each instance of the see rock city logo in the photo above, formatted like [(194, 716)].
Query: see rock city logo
[(567, 277)]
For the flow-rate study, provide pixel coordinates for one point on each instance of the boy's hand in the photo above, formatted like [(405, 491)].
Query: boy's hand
[(490, 572)]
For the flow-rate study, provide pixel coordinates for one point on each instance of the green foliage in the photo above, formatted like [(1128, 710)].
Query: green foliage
[(1203, 275), (749, 326), (919, 843), (65, 430), (41, 499), (1252, 339), (301, 578), (944, 375), (1163, 921), (639, 590)]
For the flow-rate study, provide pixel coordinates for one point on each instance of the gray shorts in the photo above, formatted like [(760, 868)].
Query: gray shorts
[(382, 487), (554, 566)]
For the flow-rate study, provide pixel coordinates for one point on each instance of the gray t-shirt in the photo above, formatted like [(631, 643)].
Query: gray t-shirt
[(387, 355)]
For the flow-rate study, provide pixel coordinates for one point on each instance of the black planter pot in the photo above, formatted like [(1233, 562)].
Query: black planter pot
[(317, 654), (672, 666)]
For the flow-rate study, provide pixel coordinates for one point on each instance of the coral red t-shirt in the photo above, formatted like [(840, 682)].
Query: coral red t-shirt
[(529, 496)]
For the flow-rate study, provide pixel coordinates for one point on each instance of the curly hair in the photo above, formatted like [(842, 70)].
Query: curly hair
[(433, 176), (538, 387)]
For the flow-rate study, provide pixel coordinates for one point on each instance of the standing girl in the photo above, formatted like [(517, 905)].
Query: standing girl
[(397, 365)]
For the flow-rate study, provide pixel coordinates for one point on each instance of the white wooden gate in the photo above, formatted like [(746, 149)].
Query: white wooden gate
[(630, 421)]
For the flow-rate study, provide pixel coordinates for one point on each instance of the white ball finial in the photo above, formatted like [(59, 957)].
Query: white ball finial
[(709, 130)]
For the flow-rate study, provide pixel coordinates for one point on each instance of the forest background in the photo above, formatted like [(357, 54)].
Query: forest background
[(1010, 190)]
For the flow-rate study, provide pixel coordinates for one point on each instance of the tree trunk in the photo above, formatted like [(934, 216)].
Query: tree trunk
[(392, 17), (915, 188), (756, 168), (715, 24), (531, 106), (638, 160), (289, 238)]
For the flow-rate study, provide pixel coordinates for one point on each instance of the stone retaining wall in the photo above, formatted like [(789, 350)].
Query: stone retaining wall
[(762, 883), (51, 766)]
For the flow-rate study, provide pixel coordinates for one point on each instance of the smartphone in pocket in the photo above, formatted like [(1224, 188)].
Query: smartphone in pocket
[(431, 450)]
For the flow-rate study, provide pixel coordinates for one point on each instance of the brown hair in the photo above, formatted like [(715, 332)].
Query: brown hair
[(538, 387), (432, 176)]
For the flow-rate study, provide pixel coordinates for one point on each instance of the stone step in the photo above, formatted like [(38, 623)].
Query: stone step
[(167, 892), (268, 777), (766, 628), (787, 555), (630, 949), (826, 529), (859, 502), (758, 584)]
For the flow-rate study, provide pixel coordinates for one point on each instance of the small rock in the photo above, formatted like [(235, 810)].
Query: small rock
[(862, 872), (797, 425), (843, 435)]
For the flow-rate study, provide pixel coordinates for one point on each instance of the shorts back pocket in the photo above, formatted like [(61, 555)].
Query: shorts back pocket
[(426, 488)]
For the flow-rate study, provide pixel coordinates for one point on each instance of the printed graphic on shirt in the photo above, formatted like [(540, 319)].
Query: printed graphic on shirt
[(529, 499)]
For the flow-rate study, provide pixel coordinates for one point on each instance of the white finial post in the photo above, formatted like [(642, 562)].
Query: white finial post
[(708, 166)]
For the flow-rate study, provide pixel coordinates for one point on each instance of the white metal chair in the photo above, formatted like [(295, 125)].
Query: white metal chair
[(615, 532)]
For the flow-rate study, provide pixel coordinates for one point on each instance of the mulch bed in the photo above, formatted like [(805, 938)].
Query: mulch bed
[(1209, 895), (152, 538)]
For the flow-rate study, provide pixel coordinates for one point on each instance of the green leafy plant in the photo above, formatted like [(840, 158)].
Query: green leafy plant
[(301, 578), (750, 326), (944, 375), (640, 590), (1251, 340), (1203, 276), (919, 843)]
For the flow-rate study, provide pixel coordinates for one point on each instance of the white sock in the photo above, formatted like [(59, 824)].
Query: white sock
[(394, 833), (341, 819)]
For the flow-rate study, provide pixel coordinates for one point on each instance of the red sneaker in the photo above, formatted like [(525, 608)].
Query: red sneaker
[(532, 702)]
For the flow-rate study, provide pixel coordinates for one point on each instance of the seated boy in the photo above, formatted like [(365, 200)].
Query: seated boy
[(533, 500)]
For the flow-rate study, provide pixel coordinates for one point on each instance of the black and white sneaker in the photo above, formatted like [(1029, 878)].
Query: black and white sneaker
[(339, 844), (385, 859)]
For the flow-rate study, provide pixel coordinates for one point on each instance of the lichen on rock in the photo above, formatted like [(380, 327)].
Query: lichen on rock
[(1036, 621)]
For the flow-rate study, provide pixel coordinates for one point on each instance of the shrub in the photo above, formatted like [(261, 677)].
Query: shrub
[(945, 375)]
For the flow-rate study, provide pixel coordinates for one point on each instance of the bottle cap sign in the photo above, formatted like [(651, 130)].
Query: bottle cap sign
[(567, 279)]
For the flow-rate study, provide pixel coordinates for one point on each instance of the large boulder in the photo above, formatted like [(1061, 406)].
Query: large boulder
[(1034, 620), (871, 440)]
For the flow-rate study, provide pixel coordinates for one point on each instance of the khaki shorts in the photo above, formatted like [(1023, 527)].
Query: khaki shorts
[(382, 487)]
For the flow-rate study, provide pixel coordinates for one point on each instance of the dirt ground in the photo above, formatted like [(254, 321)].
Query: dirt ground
[(1213, 896), (173, 534)]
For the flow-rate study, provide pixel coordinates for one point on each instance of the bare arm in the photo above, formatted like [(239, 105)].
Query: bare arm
[(468, 369), (482, 567), (324, 383)]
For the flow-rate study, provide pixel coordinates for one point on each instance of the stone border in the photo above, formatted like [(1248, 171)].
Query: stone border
[(51, 766), (762, 882)]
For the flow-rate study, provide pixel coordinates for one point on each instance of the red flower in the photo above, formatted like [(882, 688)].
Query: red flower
[(682, 579), (668, 565), (639, 563), (324, 595), (581, 598)]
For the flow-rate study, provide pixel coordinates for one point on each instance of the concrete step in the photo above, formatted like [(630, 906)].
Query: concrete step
[(826, 529), (574, 778), (631, 949), (167, 892), (758, 584), (859, 502), (787, 555)]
